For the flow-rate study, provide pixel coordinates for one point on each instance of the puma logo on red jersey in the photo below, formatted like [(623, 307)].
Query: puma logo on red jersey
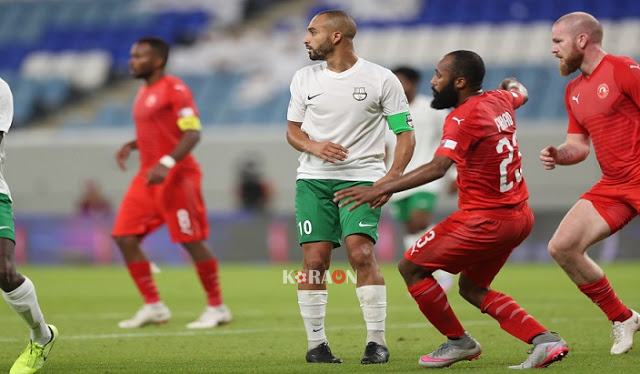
[(576, 98)]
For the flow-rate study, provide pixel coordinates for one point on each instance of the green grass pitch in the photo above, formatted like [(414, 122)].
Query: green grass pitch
[(267, 334)]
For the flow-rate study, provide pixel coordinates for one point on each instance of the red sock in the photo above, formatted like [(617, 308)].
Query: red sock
[(512, 318), (433, 303), (208, 273), (601, 293), (141, 274)]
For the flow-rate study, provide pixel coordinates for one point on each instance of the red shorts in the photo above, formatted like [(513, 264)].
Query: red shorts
[(177, 202), (617, 204), (474, 242)]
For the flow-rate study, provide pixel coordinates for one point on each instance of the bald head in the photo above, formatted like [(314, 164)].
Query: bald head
[(338, 20), (577, 42), (577, 23)]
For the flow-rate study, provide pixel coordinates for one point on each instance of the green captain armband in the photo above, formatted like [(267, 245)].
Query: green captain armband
[(400, 122)]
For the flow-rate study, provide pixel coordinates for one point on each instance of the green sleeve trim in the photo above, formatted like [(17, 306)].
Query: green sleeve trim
[(400, 122)]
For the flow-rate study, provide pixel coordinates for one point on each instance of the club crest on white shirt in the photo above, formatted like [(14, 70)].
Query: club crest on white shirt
[(359, 93)]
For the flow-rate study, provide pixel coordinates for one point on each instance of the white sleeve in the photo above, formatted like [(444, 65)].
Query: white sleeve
[(297, 106), (394, 100), (6, 106)]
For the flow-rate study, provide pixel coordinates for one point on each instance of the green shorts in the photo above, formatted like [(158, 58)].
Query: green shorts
[(318, 218), (425, 201), (7, 228)]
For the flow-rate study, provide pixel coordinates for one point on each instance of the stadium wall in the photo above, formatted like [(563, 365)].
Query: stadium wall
[(46, 170)]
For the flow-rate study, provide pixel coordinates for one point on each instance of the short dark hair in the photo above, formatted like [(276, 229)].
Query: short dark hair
[(410, 73), (341, 21), (469, 65), (158, 45)]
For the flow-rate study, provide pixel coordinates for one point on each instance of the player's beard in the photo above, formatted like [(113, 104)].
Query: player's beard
[(141, 74), (321, 52), (570, 63), (446, 98)]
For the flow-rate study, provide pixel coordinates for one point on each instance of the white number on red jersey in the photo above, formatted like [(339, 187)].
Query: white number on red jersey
[(502, 144)]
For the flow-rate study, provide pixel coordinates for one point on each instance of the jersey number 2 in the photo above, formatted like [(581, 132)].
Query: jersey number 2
[(502, 144)]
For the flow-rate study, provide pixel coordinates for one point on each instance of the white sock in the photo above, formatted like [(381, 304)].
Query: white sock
[(409, 240), (25, 302), (373, 302), (313, 308), (444, 278)]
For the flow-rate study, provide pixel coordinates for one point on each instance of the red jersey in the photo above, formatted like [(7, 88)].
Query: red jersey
[(480, 137), (605, 105), (156, 111)]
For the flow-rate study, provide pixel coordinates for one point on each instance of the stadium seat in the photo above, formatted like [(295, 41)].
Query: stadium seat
[(87, 43), (53, 93), (113, 115), (24, 100)]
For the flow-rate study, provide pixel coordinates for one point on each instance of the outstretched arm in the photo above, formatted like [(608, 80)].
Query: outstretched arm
[(435, 169)]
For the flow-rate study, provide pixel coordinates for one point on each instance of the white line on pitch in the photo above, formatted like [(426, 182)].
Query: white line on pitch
[(223, 331)]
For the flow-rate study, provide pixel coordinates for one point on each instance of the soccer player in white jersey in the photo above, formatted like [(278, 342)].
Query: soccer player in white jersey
[(414, 207), (18, 290), (337, 118)]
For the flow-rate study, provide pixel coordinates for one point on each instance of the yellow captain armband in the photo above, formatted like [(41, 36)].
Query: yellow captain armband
[(189, 123)]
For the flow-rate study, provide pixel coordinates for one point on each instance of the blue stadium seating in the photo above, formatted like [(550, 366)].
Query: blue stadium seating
[(71, 25), (113, 25), (31, 97), (53, 93), (214, 95), (441, 12)]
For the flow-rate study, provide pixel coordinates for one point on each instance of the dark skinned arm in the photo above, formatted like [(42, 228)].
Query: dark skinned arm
[(187, 143), (426, 173), (123, 154)]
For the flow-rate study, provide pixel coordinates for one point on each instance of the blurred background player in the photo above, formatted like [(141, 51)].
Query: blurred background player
[(337, 116), (253, 190), (415, 207), (17, 290), (603, 106), (479, 136), (167, 187), (92, 202)]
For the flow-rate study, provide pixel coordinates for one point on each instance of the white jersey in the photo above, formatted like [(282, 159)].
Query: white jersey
[(6, 117), (427, 125), (349, 109)]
